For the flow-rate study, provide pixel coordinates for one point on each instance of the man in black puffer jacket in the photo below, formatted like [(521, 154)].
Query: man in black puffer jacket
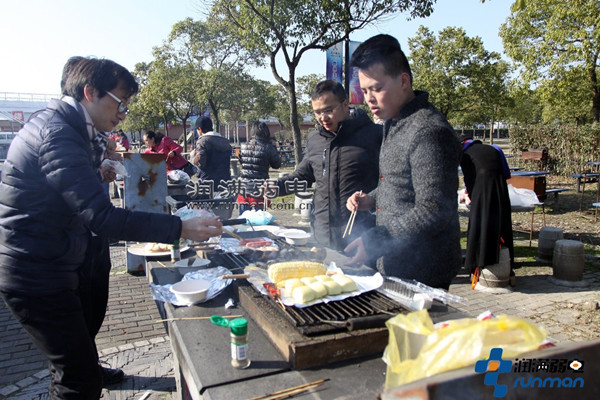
[(212, 154), (51, 202), (342, 156)]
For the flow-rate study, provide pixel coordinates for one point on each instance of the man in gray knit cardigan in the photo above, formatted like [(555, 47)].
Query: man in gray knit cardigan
[(417, 234)]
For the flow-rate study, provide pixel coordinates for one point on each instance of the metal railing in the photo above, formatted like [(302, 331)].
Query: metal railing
[(12, 96)]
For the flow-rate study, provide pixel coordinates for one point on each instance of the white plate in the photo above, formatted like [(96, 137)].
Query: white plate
[(140, 250), (198, 262), (293, 233)]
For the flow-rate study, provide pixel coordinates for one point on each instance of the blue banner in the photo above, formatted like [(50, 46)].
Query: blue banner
[(335, 62), (356, 95)]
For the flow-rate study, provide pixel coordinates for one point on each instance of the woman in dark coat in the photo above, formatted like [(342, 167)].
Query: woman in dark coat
[(256, 156), (490, 225)]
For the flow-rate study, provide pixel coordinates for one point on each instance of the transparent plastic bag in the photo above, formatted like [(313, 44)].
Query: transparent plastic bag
[(178, 176), (520, 197), (417, 350)]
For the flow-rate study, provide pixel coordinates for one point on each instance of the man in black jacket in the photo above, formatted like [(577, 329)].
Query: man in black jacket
[(212, 153), (51, 202), (342, 156)]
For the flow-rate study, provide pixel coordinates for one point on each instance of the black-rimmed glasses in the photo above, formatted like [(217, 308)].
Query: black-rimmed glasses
[(122, 107), (328, 111)]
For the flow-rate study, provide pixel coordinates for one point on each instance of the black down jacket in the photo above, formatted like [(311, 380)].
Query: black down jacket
[(256, 157), (50, 200), (339, 164), (214, 152)]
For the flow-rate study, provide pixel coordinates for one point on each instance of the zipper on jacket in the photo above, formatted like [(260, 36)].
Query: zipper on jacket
[(324, 160)]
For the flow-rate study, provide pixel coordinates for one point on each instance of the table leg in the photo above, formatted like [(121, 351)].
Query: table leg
[(582, 193)]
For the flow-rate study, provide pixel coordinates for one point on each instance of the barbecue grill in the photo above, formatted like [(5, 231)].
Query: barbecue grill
[(321, 333)]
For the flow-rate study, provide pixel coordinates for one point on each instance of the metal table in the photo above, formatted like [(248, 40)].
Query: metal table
[(201, 351)]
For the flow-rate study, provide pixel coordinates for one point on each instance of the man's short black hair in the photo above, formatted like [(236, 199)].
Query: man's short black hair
[(104, 75), (385, 50), (70, 64), (329, 86), (204, 124)]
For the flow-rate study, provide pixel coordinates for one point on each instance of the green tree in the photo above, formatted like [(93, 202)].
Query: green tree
[(525, 107), (148, 108), (217, 58), (174, 85), (465, 81), (306, 85), (286, 29), (554, 40)]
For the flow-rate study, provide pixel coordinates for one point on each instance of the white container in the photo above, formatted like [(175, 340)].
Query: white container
[(191, 291), (299, 199), (295, 237), (305, 209)]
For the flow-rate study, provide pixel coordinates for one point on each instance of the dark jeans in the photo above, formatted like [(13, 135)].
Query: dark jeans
[(63, 326), (94, 283), (58, 328)]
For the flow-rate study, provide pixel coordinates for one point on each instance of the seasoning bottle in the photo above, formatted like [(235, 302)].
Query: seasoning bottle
[(239, 343), (175, 254)]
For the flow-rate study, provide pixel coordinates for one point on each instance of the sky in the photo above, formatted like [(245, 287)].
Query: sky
[(38, 36)]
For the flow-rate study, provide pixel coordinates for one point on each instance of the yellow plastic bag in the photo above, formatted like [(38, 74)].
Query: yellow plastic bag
[(417, 350)]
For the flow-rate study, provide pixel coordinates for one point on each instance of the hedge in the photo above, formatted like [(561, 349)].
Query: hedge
[(569, 147)]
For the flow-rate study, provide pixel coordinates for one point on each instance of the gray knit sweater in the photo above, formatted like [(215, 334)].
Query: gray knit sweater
[(417, 234)]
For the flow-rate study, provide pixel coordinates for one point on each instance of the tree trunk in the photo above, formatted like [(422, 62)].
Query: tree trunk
[(215, 114), (296, 134), (596, 92), (185, 147), (247, 130)]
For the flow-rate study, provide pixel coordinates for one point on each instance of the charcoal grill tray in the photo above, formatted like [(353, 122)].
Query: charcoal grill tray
[(322, 318)]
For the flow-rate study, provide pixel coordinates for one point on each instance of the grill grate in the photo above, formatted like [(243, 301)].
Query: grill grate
[(368, 310)]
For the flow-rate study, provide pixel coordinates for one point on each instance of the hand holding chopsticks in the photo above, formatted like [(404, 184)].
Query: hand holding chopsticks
[(350, 223)]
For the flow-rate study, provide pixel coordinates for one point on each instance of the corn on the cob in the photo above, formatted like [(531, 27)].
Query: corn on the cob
[(295, 269)]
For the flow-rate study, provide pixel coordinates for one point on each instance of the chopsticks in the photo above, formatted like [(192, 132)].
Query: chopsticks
[(235, 235), (236, 276), (350, 223), (194, 318), (282, 394)]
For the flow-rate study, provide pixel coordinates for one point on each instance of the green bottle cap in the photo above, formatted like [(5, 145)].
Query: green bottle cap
[(239, 326), (219, 321)]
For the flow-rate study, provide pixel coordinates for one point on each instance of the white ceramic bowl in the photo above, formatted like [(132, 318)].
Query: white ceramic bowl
[(295, 237), (191, 291)]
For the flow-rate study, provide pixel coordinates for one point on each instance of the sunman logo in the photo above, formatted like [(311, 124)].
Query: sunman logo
[(495, 365), (492, 367)]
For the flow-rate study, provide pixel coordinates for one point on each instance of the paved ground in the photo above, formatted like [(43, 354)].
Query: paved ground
[(131, 339)]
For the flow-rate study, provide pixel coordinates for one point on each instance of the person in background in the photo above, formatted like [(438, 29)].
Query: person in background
[(418, 233), (485, 172), (342, 156), (256, 156), (157, 143), (212, 153), (51, 201), (123, 141)]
